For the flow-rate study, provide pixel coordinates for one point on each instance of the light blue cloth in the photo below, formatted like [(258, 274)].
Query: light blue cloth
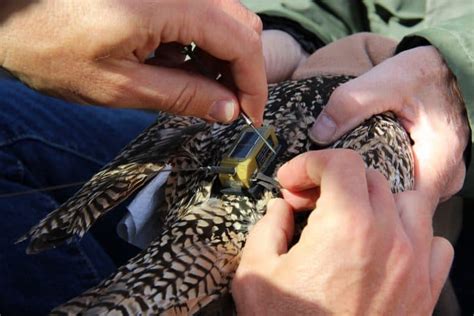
[(140, 225)]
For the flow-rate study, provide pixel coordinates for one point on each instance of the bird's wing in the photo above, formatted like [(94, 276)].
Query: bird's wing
[(189, 265), (194, 257), (139, 162)]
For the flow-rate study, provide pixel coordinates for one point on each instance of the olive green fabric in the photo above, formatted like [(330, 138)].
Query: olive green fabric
[(448, 25), (317, 18)]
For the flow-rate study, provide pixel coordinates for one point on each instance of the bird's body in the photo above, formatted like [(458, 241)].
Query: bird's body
[(192, 261)]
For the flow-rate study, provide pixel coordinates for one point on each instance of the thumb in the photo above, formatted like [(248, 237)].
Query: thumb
[(271, 235), (353, 102), (169, 90), (442, 254)]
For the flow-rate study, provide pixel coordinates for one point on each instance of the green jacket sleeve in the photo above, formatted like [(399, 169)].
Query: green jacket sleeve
[(328, 20)]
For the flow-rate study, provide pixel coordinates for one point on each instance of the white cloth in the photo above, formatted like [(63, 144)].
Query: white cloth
[(140, 225)]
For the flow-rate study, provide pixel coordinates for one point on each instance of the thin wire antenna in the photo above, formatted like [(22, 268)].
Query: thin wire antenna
[(45, 189), (210, 169), (189, 50), (249, 122)]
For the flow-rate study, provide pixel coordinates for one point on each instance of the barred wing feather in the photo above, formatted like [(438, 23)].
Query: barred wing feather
[(135, 166)]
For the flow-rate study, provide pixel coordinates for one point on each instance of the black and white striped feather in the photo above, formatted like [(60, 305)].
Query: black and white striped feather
[(191, 262)]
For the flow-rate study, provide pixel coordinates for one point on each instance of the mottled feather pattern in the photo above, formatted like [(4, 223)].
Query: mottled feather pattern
[(192, 260), (113, 184)]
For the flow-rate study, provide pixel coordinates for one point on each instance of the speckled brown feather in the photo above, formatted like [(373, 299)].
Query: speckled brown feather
[(192, 260)]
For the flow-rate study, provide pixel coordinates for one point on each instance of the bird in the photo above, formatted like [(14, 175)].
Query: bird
[(188, 268)]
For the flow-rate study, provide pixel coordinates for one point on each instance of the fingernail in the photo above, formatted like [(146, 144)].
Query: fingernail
[(256, 121), (223, 111), (323, 129)]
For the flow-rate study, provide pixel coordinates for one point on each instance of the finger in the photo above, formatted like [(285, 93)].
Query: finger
[(244, 52), (269, 238), (456, 183), (340, 174), (237, 10), (302, 200), (353, 102), (381, 198), (166, 89), (415, 215), (442, 254)]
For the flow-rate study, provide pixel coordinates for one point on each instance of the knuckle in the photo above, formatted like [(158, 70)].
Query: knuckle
[(343, 94), (363, 227), (240, 274), (253, 43), (249, 18), (356, 226), (347, 159), (375, 179), (375, 175), (113, 90), (118, 89), (403, 251), (182, 103), (246, 290), (256, 23), (246, 278)]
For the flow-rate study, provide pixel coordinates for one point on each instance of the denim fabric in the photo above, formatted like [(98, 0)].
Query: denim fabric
[(47, 142)]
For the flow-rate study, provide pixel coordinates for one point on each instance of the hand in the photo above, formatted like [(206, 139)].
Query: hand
[(417, 86), (364, 251), (283, 54), (96, 51)]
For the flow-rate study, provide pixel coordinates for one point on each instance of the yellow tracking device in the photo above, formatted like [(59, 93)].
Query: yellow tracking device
[(247, 157)]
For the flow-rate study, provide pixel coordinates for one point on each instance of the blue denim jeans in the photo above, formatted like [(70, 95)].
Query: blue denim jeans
[(47, 142)]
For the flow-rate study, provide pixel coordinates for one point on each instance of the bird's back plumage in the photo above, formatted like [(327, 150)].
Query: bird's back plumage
[(192, 260)]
